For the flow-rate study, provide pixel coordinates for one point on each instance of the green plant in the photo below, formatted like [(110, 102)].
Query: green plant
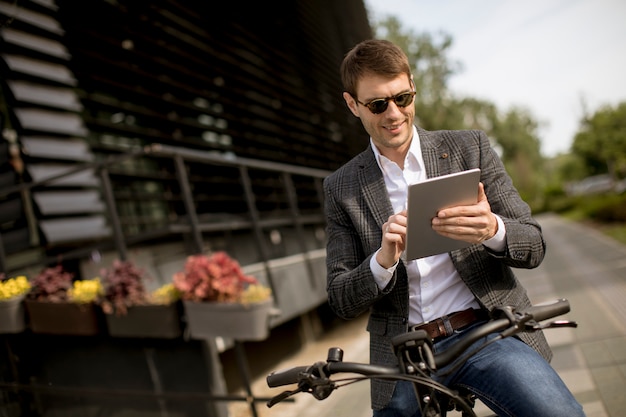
[(216, 277), (123, 287), (13, 287)]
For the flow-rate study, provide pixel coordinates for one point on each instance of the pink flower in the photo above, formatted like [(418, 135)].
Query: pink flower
[(216, 277)]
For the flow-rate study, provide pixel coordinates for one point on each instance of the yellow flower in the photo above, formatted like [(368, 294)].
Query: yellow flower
[(85, 291), (255, 293), (165, 294), (13, 287)]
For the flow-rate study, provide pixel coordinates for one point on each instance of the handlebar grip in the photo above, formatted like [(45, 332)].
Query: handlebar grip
[(285, 376), (546, 311)]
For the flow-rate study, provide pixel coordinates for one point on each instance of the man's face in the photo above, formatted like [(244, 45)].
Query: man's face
[(393, 128)]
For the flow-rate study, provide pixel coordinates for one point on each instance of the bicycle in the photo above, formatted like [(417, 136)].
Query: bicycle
[(417, 361)]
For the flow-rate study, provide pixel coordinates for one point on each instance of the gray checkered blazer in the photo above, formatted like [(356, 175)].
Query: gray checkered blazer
[(357, 204)]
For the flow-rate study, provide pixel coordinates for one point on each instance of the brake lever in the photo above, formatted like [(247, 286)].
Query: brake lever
[(282, 396), (533, 325), (517, 320)]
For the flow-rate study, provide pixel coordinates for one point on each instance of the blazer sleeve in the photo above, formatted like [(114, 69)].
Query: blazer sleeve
[(350, 285), (525, 246)]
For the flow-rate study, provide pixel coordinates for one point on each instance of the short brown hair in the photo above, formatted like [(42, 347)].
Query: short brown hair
[(373, 56)]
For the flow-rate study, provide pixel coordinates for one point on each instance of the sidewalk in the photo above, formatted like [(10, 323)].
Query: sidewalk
[(589, 269), (581, 265)]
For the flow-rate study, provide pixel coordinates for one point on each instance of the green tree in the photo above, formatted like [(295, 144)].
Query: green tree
[(601, 141), (516, 132)]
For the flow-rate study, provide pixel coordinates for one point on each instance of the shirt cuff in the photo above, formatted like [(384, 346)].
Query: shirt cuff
[(498, 242), (382, 276)]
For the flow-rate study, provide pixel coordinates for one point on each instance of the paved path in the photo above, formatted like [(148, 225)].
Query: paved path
[(589, 269), (581, 265)]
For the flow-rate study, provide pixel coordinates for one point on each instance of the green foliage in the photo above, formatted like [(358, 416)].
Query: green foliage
[(601, 208), (617, 232), (601, 141), (567, 167), (606, 208)]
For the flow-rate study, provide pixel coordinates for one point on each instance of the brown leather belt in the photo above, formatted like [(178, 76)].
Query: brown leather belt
[(446, 325)]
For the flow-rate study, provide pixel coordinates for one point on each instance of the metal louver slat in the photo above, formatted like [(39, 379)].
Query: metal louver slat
[(75, 149), (62, 98), (34, 67), (35, 43), (75, 229), (41, 172), (51, 121), (52, 203), (36, 19)]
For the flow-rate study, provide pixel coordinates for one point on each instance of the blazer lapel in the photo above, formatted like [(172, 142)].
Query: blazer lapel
[(373, 186), (435, 153)]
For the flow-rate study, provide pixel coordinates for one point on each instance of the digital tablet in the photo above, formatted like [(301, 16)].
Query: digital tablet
[(425, 199)]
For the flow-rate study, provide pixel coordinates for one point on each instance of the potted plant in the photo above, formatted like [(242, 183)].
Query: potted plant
[(220, 300), (131, 311), (12, 313), (58, 304)]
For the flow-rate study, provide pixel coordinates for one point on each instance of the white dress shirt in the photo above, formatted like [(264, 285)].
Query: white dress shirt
[(435, 287)]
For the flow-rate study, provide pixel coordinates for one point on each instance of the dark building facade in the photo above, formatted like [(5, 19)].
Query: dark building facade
[(151, 130), (87, 81)]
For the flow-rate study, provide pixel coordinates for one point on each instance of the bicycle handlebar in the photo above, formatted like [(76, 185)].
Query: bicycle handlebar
[(296, 374), (512, 322), (541, 312), (519, 320)]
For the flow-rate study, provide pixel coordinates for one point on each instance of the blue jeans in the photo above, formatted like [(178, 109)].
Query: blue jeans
[(508, 376)]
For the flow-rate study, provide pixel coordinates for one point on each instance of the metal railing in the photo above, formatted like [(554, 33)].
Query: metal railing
[(192, 225)]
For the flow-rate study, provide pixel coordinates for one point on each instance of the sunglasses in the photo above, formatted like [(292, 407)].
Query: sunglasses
[(379, 105)]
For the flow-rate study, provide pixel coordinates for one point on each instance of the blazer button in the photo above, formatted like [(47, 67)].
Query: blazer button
[(444, 155)]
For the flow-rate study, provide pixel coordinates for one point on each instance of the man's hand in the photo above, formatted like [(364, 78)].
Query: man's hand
[(474, 223), (394, 239)]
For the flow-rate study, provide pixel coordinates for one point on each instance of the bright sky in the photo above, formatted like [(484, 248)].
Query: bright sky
[(545, 55)]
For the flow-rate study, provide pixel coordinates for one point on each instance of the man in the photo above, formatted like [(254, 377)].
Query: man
[(366, 216)]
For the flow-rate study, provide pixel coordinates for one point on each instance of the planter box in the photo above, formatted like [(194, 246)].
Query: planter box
[(64, 318), (157, 321), (12, 315), (229, 320)]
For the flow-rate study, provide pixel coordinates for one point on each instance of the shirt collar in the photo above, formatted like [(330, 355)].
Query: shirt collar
[(415, 151)]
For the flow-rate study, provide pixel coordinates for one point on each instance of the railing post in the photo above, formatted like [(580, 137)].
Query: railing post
[(258, 233), (120, 243), (3, 259), (290, 189), (183, 181), (319, 188)]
